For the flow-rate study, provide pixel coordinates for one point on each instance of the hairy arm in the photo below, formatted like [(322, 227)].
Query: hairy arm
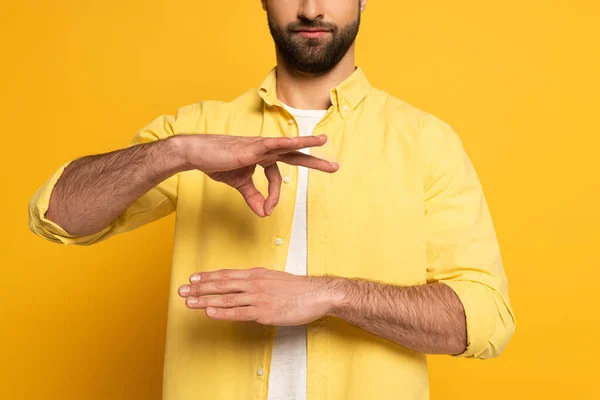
[(428, 318), (94, 190)]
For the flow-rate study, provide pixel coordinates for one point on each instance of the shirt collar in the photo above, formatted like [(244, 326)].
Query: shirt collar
[(345, 97)]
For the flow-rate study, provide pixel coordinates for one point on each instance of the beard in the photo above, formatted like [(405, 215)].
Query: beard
[(313, 55)]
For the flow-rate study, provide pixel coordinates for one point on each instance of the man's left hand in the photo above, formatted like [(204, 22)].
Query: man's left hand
[(265, 296)]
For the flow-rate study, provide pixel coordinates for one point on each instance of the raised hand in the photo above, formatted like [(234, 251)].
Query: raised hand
[(233, 159)]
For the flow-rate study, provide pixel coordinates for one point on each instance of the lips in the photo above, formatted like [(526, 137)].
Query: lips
[(312, 33)]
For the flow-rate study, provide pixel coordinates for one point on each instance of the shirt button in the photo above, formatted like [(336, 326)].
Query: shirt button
[(279, 241), (260, 372), (291, 121), (345, 108), (287, 179)]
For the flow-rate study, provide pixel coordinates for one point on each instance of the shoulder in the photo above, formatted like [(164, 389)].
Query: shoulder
[(399, 111), (424, 127), (193, 116)]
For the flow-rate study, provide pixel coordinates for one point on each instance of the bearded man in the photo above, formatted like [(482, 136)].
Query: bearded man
[(328, 235)]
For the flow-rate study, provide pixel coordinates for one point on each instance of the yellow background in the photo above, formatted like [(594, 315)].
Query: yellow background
[(517, 79)]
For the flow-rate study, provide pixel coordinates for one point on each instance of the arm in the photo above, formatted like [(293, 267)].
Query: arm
[(94, 190), (462, 247), (93, 198), (427, 318)]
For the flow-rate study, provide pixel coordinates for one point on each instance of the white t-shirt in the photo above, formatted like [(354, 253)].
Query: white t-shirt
[(287, 379)]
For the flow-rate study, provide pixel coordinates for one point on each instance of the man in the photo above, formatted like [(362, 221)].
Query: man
[(381, 248)]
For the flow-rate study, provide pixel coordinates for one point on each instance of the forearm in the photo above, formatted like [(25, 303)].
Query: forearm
[(427, 318), (94, 190)]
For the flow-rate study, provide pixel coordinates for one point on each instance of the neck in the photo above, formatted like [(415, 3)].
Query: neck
[(307, 91)]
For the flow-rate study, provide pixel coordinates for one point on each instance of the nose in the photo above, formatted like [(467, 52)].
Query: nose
[(311, 9)]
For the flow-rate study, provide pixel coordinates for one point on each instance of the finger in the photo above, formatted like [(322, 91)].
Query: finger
[(219, 286), (309, 161), (248, 313), (253, 197), (274, 177), (223, 301), (244, 273), (283, 144), (220, 274)]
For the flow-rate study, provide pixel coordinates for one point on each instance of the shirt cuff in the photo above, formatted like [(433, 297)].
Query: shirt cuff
[(480, 312)]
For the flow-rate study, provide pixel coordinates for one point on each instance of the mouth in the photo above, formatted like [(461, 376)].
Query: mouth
[(312, 33)]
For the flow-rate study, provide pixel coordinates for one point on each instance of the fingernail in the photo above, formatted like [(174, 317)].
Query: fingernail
[(192, 300), (271, 210), (195, 278), (211, 311), (184, 290)]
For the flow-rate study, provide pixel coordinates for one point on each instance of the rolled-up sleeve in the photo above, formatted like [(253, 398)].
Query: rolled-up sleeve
[(462, 247), (158, 202)]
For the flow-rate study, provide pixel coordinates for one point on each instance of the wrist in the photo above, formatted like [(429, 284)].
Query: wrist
[(182, 147), (333, 293)]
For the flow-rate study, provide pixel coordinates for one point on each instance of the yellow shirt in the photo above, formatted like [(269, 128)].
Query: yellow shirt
[(406, 207)]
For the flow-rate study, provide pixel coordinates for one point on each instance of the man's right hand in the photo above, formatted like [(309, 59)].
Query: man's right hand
[(233, 159)]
